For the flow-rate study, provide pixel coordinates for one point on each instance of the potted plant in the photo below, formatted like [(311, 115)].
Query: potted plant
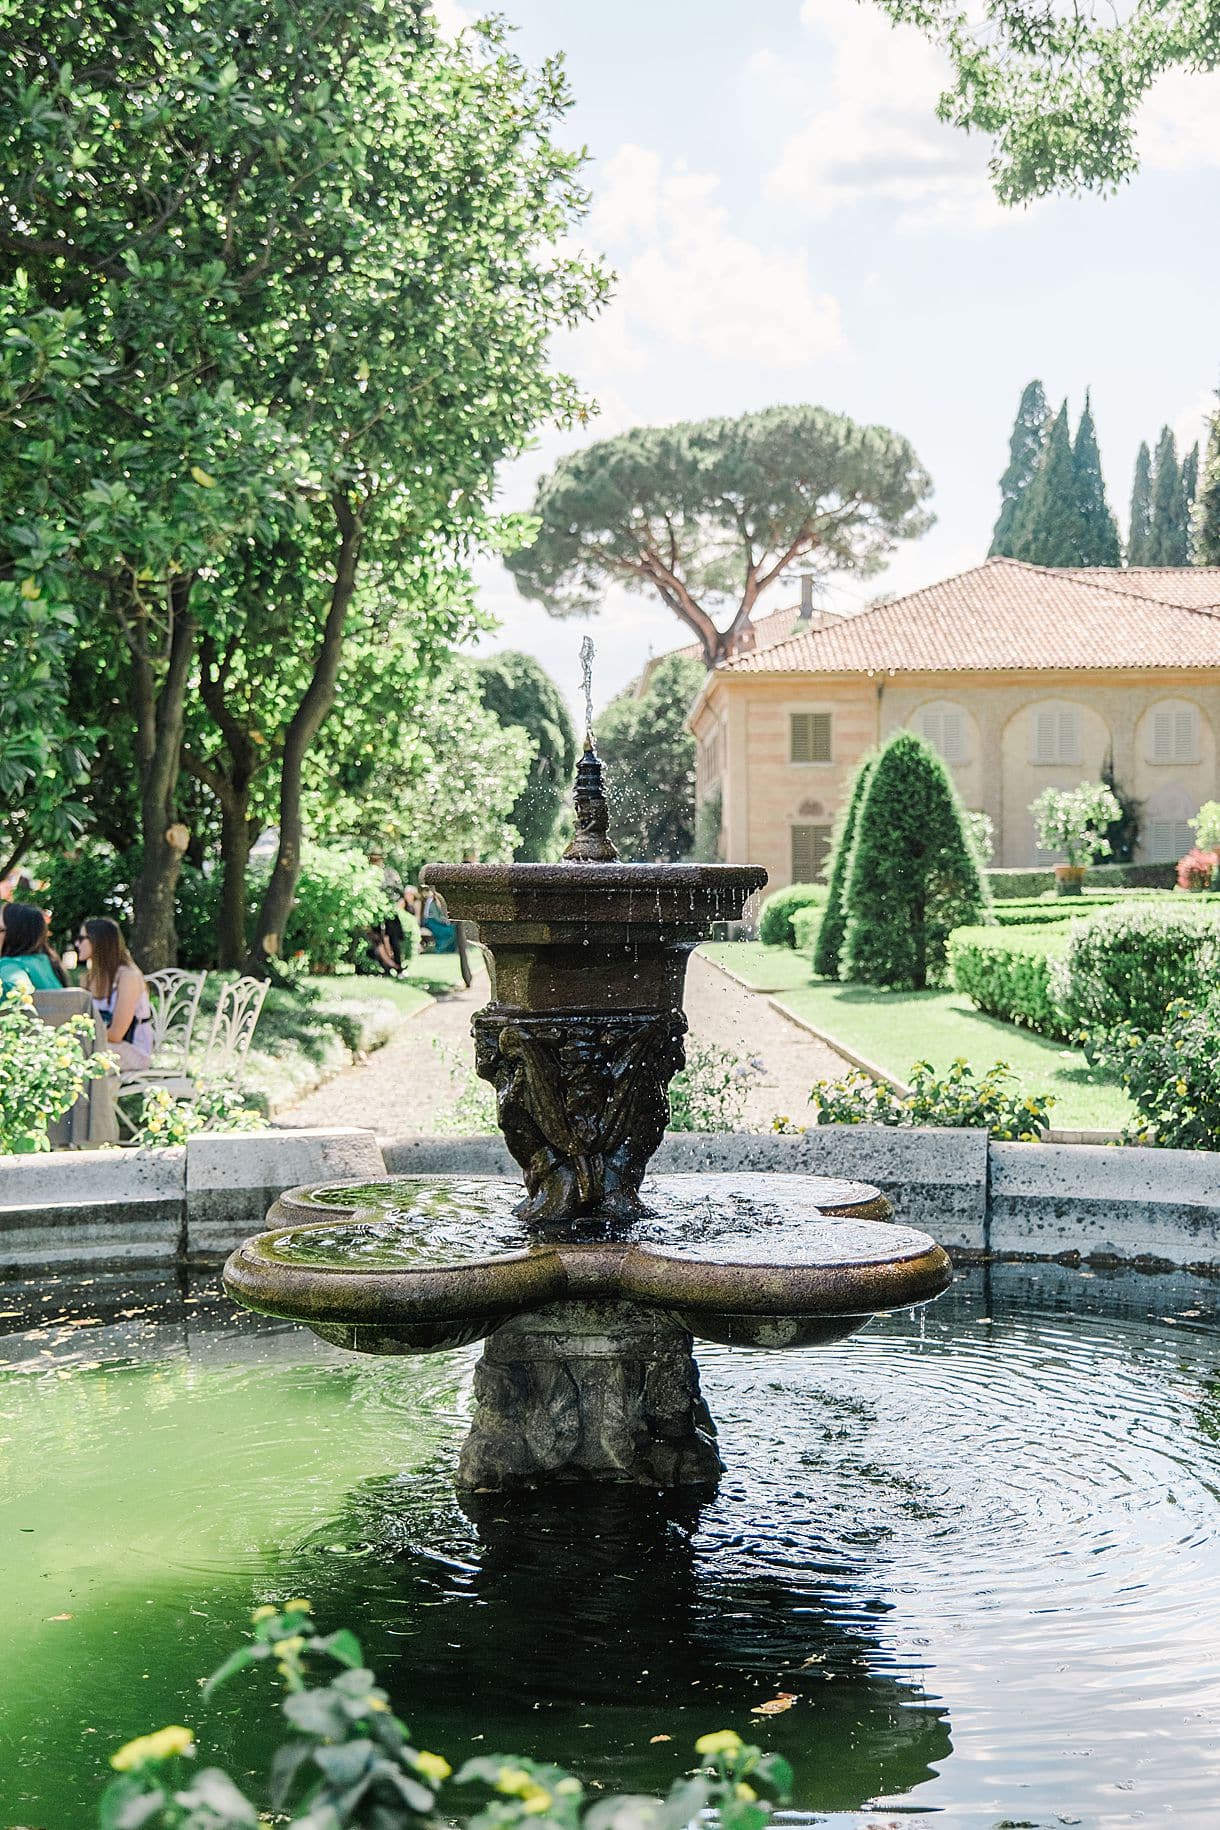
[(1198, 869), (1074, 821)]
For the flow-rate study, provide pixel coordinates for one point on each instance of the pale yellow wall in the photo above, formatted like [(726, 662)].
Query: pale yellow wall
[(765, 793)]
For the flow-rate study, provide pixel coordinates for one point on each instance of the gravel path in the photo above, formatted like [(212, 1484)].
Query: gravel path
[(401, 1087)]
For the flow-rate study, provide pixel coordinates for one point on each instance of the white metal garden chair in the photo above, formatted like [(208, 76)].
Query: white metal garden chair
[(224, 1054), (174, 997)]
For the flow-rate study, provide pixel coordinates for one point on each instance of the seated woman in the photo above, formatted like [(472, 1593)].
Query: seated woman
[(435, 921), (26, 960), (120, 996)]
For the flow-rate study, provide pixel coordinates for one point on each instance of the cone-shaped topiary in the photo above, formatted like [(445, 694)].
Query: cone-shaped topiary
[(833, 925), (914, 875)]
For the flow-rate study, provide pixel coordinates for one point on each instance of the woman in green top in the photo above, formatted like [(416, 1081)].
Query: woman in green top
[(25, 960)]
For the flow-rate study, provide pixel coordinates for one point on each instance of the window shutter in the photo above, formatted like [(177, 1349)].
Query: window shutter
[(1162, 739), (1184, 735), (953, 737), (1044, 737), (1069, 737), (810, 849), (809, 737), (1056, 735)]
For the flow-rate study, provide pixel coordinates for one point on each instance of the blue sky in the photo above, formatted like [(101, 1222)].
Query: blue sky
[(789, 221)]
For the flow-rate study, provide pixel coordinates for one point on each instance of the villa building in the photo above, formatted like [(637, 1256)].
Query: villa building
[(1023, 677)]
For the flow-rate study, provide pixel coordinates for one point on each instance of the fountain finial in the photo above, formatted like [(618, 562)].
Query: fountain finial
[(590, 842)]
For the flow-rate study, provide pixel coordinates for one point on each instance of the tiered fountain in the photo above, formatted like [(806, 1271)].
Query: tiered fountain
[(589, 1290)]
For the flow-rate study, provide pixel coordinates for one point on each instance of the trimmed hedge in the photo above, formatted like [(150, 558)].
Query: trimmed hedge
[(806, 925), (1126, 965), (1006, 884), (775, 923), (1007, 972), (1060, 909)]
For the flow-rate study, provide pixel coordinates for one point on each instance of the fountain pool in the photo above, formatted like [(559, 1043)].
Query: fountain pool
[(980, 1544)]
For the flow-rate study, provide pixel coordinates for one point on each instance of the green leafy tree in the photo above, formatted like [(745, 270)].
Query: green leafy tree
[(1052, 529), (1169, 530), (1099, 531), (1207, 501), (706, 515), (324, 305), (833, 925), (914, 874), (650, 762), (1190, 478), (520, 693), (1141, 508), (1025, 449), (1058, 89)]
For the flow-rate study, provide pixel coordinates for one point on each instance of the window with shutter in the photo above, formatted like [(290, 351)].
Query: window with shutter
[(810, 850), (1168, 840), (1056, 734), (1173, 734), (809, 737), (944, 726)]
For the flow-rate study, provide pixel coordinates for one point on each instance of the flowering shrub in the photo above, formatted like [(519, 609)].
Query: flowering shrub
[(348, 1760), (1196, 869), (1207, 826), (43, 1072), (1126, 965), (1074, 820), (1172, 1073), (995, 1101), (710, 1092), (217, 1106)]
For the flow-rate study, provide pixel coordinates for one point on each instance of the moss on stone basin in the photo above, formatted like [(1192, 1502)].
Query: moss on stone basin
[(418, 1263)]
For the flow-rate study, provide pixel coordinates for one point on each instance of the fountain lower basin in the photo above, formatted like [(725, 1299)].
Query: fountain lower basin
[(588, 1371)]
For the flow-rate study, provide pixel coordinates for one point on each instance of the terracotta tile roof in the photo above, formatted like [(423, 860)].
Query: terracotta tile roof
[(775, 627), (1005, 614)]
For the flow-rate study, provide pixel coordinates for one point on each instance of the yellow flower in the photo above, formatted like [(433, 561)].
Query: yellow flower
[(433, 1766), (284, 1648), (536, 1802), (746, 1793), (514, 1781), (162, 1746), (30, 590), (568, 1788), (298, 1607), (720, 1741), (202, 478), (1181, 1088), (268, 1608)]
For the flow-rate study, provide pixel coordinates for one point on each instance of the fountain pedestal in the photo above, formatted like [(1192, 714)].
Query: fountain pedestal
[(586, 1391)]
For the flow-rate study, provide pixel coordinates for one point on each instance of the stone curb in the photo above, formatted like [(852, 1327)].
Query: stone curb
[(163, 1206)]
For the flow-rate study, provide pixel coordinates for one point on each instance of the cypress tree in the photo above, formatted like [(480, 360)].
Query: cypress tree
[(1141, 509), (833, 925), (1051, 531), (1100, 546), (1169, 532), (914, 875), (1207, 502), (1190, 477), (1025, 449)]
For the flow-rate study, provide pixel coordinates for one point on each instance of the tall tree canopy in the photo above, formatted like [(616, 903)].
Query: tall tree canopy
[(1100, 544), (1169, 526), (708, 514), (314, 251), (1051, 530), (1141, 508), (1025, 449), (1059, 88), (1207, 502), (521, 694), (650, 762)]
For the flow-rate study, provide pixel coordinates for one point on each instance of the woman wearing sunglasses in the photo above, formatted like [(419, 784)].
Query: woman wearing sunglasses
[(116, 985)]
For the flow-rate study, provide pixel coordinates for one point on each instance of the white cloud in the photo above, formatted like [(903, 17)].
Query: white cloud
[(689, 279), (878, 138), (1179, 124), (451, 17)]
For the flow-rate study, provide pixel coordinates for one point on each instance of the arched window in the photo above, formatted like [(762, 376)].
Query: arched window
[(1055, 734), (944, 726)]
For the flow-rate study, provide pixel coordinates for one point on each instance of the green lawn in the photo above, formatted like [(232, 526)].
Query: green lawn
[(428, 975), (892, 1029)]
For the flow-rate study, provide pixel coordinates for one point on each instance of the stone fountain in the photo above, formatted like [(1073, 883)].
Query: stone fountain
[(590, 1289)]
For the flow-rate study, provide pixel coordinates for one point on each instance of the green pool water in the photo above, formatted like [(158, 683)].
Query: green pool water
[(980, 1545)]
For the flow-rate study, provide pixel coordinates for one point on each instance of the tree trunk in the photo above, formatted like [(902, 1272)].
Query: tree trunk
[(159, 724), (305, 724), (234, 862)]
